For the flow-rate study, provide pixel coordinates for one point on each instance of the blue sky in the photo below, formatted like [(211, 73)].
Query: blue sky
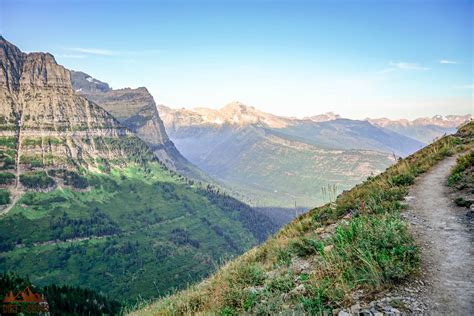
[(296, 58)]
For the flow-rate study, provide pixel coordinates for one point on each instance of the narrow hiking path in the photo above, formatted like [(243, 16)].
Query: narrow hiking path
[(445, 235)]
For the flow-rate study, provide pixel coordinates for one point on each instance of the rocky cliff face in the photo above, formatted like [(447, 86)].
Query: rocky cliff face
[(136, 110), (43, 122)]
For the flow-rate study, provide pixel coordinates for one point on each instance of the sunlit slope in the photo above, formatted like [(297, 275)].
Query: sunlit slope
[(315, 263)]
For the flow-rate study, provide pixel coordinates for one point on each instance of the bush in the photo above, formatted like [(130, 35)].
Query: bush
[(36, 180), (71, 178), (306, 247), (460, 201), (4, 197), (8, 163), (250, 274), (463, 163), (6, 178), (281, 285), (9, 142), (36, 163), (403, 179)]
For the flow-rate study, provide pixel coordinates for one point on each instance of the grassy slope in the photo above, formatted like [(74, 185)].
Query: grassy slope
[(272, 169), (134, 232), (315, 263)]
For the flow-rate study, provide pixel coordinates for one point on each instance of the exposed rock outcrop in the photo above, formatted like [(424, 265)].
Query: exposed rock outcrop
[(44, 122)]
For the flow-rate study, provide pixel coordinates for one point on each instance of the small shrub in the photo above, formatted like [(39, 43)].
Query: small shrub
[(319, 299), (4, 197), (250, 275), (36, 180), (306, 247), (227, 311), (280, 284), (6, 178), (250, 301), (36, 163), (9, 142), (454, 179), (8, 163), (460, 201), (457, 173), (445, 152), (239, 299), (283, 256), (403, 180)]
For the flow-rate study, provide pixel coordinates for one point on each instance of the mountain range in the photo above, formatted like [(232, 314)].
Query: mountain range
[(425, 129), (91, 200), (281, 161)]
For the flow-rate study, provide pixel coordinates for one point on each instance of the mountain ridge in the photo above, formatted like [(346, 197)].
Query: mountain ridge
[(136, 109), (449, 121), (262, 160)]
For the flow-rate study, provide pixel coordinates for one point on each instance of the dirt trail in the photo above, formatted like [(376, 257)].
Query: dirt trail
[(445, 233)]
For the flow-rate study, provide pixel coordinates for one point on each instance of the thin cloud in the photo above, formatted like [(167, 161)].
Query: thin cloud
[(466, 86), (106, 52), (448, 62), (93, 51), (407, 66), (76, 56)]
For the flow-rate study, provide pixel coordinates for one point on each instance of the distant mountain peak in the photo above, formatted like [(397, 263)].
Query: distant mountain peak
[(237, 113), (84, 83), (448, 121), (237, 106), (328, 116)]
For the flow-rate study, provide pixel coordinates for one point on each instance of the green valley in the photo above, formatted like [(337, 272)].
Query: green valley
[(85, 202), (152, 227)]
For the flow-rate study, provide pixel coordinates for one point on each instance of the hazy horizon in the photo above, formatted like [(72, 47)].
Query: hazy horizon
[(314, 114), (295, 59)]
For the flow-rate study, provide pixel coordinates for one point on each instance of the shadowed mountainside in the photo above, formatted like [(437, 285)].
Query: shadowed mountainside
[(136, 110)]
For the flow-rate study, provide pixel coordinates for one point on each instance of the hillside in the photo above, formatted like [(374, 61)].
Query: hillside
[(136, 110), (328, 258), (278, 161), (86, 202)]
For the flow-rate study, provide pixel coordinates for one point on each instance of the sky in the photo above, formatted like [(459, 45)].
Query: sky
[(397, 59)]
